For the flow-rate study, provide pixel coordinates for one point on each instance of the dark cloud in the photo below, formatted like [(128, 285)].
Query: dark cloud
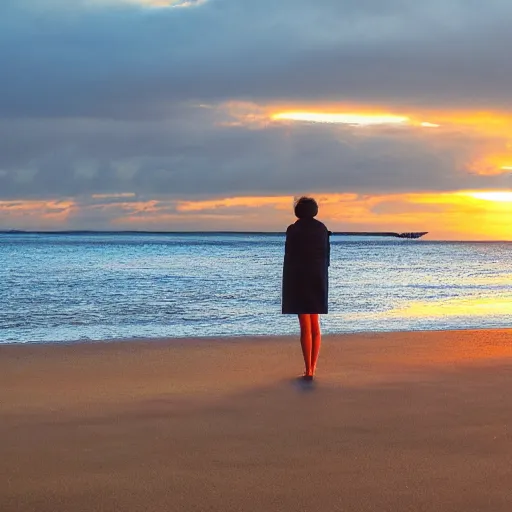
[(181, 158), (119, 60), (103, 97)]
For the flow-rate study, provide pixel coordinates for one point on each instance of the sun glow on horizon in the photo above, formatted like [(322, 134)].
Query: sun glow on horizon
[(498, 196), (463, 215)]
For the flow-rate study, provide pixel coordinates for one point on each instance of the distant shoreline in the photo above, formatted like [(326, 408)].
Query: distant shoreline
[(129, 232), (376, 234), (136, 232)]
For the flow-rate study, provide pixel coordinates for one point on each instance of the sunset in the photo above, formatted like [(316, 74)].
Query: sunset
[(255, 255), (166, 118)]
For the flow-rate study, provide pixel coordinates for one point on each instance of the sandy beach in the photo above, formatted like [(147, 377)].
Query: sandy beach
[(394, 422)]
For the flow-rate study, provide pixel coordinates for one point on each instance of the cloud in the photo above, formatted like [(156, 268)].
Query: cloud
[(199, 154), (445, 216), (109, 104), (101, 60)]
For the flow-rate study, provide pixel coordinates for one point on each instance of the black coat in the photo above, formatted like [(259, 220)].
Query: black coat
[(305, 270)]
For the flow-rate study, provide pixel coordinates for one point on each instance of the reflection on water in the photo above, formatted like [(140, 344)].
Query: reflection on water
[(69, 287), (473, 306)]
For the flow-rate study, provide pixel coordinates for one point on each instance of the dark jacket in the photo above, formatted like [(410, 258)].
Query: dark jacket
[(305, 270)]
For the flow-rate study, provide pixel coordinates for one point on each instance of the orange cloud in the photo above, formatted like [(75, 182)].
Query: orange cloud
[(454, 216), (349, 118), (493, 164), (491, 131), (464, 215), (491, 122), (280, 203), (45, 214)]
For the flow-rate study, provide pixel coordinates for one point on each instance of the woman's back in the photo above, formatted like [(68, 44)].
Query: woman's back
[(307, 243), (305, 270)]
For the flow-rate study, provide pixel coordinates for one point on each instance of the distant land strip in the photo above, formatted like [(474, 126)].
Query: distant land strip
[(414, 234), (131, 232)]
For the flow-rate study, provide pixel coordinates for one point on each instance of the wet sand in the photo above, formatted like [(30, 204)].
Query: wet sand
[(394, 422)]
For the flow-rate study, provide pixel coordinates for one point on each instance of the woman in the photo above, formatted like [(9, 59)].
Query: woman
[(305, 277)]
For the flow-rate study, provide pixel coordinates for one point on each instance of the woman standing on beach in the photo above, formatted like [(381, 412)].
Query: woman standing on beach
[(305, 277)]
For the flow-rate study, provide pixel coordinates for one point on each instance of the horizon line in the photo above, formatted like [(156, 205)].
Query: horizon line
[(340, 233)]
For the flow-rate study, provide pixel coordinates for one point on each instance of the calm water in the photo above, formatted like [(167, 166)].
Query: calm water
[(102, 286)]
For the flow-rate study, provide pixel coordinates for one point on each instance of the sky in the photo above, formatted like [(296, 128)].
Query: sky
[(396, 115)]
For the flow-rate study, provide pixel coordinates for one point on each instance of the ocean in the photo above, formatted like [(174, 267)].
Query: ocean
[(100, 286)]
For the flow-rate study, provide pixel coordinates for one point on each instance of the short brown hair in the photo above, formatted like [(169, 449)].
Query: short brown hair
[(306, 208)]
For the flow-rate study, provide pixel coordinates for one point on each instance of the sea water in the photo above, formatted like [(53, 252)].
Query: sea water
[(97, 286)]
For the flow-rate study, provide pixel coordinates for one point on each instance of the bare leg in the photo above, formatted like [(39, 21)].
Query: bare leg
[(306, 341), (316, 339)]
